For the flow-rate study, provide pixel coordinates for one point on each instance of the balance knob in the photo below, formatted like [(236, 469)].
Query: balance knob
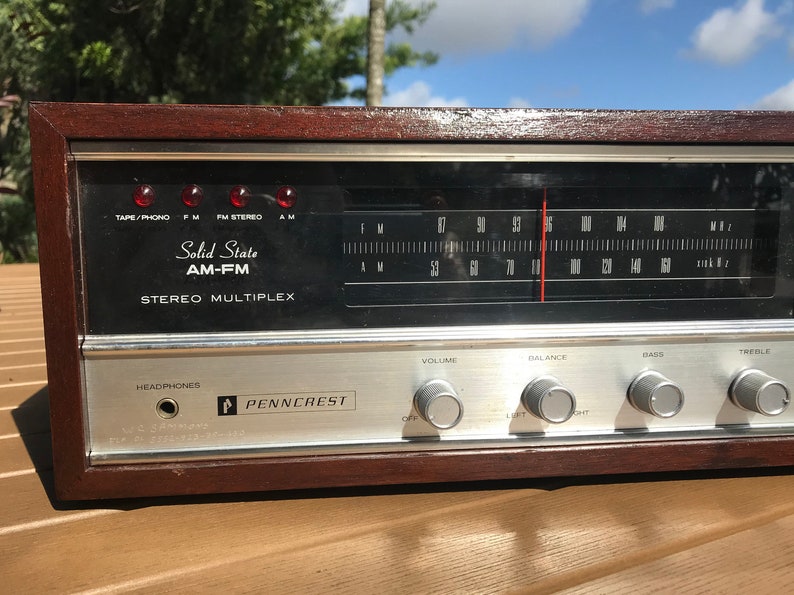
[(653, 393), (438, 404), (756, 391), (547, 398)]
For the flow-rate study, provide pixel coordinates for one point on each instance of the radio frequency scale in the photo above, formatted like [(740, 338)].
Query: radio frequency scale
[(275, 298)]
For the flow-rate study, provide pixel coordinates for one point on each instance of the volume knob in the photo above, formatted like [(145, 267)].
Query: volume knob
[(438, 404), (547, 398), (757, 391), (653, 393)]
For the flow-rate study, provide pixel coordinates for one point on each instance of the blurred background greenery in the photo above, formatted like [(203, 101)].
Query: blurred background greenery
[(281, 52)]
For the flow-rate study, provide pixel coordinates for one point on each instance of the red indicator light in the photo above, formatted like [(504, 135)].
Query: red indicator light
[(286, 197), (143, 195), (239, 196), (192, 195)]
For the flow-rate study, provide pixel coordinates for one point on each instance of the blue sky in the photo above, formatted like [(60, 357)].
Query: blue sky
[(632, 54)]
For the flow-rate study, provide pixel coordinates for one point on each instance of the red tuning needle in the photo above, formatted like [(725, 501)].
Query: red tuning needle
[(543, 249)]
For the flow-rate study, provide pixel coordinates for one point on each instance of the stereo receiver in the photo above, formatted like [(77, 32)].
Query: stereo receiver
[(258, 298)]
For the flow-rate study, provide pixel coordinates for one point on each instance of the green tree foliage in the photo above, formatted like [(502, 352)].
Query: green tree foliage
[(285, 52)]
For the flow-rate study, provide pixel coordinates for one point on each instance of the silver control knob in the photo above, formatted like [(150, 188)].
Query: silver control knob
[(759, 392), (653, 393), (438, 404), (547, 398)]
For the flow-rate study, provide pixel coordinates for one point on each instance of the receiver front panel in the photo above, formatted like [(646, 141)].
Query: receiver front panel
[(276, 402), (242, 298), (309, 317)]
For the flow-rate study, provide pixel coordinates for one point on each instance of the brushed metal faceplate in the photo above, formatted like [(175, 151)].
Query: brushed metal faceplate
[(351, 396)]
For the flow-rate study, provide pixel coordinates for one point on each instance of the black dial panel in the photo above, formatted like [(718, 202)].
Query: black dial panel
[(330, 245)]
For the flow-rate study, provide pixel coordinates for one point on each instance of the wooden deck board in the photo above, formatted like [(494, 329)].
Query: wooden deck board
[(31, 417), (757, 560), (13, 394), (726, 532)]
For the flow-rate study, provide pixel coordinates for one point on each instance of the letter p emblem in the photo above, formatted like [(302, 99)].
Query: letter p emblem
[(227, 405)]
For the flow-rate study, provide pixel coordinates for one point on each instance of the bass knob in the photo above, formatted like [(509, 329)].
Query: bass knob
[(653, 393)]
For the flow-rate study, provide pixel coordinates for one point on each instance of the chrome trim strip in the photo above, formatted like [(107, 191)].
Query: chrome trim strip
[(419, 445), (353, 151), (100, 346)]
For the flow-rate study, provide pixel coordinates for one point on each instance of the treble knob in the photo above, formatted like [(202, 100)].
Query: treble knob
[(550, 400), (653, 393), (759, 392), (438, 404)]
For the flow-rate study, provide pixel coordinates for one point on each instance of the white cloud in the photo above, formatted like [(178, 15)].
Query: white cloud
[(419, 94), (779, 99), (650, 6), (470, 26), (732, 35), (518, 102)]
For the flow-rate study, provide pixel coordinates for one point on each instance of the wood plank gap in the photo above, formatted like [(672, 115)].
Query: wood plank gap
[(59, 520), (8, 341), (23, 352), (17, 384), (41, 365), (18, 405), (17, 473), (20, 367), (15, 320), (21, 291), (18, 331)]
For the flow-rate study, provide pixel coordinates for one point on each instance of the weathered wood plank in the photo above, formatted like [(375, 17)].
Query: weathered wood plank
[(471, 541)]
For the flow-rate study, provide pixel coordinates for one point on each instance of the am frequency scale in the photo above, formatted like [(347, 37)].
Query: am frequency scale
[(275, 306)]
